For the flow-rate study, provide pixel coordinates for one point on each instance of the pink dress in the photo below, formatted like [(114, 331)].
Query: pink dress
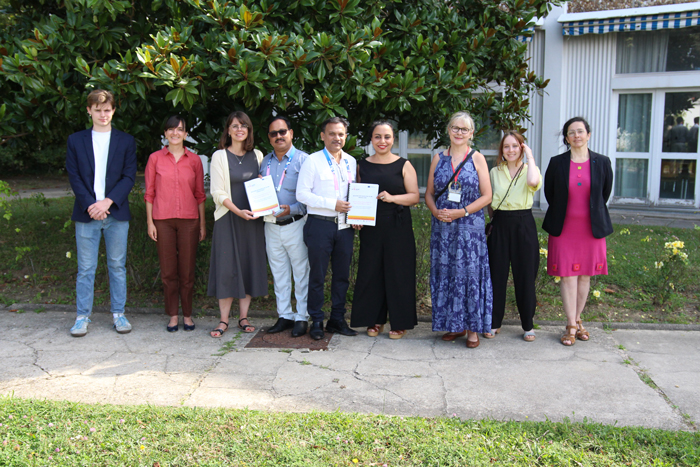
[(576, 252)]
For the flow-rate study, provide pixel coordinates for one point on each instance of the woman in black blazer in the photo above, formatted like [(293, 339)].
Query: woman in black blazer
[(577, 186)]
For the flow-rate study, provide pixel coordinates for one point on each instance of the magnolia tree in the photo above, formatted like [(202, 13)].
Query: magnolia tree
[(414, 62)]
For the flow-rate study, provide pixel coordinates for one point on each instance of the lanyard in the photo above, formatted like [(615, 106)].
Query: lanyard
[(453, 166), (290, 156), (335, 177)]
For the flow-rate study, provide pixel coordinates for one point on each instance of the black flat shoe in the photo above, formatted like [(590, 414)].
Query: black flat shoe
[(282, 324), (316, 331), (187, 327), (172, 328), (340, 327), (299, 328)]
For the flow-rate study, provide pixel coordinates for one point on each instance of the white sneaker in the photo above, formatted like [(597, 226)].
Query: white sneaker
[(79, 329)]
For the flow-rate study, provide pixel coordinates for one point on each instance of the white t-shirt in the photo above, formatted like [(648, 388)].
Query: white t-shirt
[(100, 146)]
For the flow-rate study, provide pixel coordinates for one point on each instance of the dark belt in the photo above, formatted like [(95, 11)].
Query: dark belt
[(333, 219), (290, 220)]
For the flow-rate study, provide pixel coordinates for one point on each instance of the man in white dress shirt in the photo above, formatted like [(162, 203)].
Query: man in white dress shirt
[(323, 186), (284, 232)]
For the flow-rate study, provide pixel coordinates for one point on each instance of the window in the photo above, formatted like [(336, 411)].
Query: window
[(678, 179), (633, 123), (681, 112), (658, 51), (631, 178)]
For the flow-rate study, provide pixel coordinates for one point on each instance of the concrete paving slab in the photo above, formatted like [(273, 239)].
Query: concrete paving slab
[(672, 360), (505, 378)]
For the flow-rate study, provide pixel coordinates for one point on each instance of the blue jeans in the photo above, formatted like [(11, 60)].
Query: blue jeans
[(87, 238)]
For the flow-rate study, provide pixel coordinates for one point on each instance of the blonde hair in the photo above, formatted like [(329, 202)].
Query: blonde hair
[(461, 115)]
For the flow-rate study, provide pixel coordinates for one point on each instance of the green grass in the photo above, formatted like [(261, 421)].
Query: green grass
[(34, 267), (59, 433)]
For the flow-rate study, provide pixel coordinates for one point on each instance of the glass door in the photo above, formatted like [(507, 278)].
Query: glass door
[(676, 164)]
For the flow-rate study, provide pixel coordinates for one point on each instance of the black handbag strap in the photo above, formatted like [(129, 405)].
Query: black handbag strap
[(454, 174), (509, 186)]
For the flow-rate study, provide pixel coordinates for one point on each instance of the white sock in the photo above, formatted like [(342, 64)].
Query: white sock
[(117, 315)]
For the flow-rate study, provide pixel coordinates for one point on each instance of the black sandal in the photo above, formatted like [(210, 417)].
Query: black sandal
[(245, 327), (219, 330)]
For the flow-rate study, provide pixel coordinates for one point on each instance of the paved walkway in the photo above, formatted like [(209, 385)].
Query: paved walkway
[(602, 380)]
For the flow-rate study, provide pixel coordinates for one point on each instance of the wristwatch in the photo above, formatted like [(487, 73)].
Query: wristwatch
[(466, 213)]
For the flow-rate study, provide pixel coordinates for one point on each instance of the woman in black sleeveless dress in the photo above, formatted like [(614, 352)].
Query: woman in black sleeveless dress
[(386, 276)]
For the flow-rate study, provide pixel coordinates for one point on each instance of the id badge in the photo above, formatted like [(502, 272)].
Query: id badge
[(454, 193)]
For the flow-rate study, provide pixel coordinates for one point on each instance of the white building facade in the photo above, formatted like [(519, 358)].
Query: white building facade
[(634, 75)]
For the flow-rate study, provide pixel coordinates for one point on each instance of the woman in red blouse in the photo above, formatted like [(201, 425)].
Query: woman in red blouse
[(175, 214)]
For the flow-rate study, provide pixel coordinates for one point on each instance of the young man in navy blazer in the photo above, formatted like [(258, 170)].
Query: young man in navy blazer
[(101, 165)]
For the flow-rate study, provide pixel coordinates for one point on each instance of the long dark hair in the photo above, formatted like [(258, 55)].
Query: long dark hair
[(225, 140)]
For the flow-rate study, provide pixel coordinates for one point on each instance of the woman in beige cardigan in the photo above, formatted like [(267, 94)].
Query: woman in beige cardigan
[(238, 265)]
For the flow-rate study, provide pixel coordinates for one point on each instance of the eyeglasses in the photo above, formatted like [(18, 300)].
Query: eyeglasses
[(457, 130), (273, 134), (573, 133), (239, 127)]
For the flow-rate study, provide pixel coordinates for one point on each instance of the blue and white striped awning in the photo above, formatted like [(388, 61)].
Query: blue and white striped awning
[(632, 23), (528, 38)]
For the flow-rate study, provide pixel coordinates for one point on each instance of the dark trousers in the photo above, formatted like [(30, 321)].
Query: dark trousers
[(177, 253), (513, 243), (326, 243)]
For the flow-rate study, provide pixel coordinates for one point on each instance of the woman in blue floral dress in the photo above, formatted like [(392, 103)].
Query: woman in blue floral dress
[(460, 279)]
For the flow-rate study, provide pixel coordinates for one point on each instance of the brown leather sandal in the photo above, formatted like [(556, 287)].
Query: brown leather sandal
[(398, 334), (450, 336), (581, 332), (570, 338), (375, 330)]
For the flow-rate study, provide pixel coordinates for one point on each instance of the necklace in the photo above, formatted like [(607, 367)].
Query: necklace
[(240, 159)]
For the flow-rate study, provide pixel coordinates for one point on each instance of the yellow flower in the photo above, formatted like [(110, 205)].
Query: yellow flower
[(355, 461), (678, 244), (68, 254), (675, 251), (658, 264), (596, 293), (668, 245), (625, 232), (544, 252), (557, 279), (670, 284)]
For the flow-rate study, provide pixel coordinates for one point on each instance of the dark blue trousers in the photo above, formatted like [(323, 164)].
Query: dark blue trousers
[(326, 243)]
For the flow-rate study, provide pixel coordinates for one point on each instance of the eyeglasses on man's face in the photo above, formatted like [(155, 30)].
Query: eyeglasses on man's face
[(273, 134), (242, 126), (458, 129)]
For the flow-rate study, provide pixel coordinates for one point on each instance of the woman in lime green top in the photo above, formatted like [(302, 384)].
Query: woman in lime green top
[(513, 240)]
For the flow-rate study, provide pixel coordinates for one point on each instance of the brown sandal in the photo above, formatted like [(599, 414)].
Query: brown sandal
[(450, 336), (581, 332), (375, 330), (570, 338), (397, 334)]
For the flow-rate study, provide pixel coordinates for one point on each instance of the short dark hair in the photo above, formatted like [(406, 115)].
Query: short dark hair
[(680, 121), (341, 120), (696, 119), (568, 124), (174, 122), (518, 137), (280, 117), (225, 140)]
